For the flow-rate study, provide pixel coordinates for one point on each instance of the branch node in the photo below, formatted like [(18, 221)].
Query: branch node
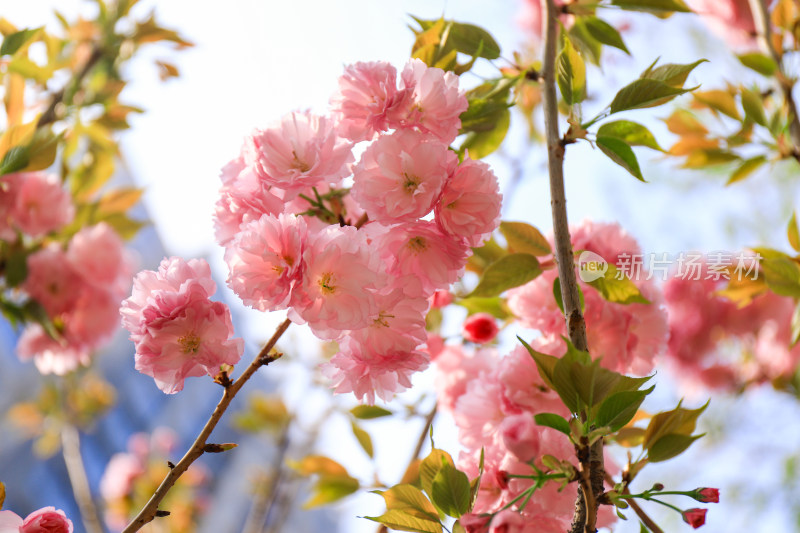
[(161, 514)]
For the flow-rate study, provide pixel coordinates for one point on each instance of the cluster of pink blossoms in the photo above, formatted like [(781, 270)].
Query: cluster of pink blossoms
[(494, 400), (178, 331), (706, 330), (45, 520), (353, 248), (79, 285)]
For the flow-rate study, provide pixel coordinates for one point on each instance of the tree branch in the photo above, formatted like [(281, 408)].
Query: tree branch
[(51, 113), (266, 494), (150, 510), (71, 450), (761, 21), (585, 517)]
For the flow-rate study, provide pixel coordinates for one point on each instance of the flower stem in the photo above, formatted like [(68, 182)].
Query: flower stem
[(76, 471), (148, 512)]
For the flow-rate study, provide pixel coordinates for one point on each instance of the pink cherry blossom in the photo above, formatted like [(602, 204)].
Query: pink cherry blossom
[(178, 331), (507, 521), (421, 249), (470, 203), (44, 520), (302, 150), (400, 324), (49, 355), (266, 260), (340, 283), (524, 390), (52, 280), (368, 100), (41, 204), (98, 254), (531, 18), (400, 176), (521, 436), (731, 20), (121, 471), (455, 368), (480, 328), (436, 103), (441, 299), (367, 373)]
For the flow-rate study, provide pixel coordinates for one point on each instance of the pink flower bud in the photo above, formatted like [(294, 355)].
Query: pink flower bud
[(695, 517), (480, 328), (706, 495)]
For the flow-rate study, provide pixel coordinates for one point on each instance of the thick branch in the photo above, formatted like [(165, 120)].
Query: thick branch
[(71, 449), (148, 513), (761, 22)]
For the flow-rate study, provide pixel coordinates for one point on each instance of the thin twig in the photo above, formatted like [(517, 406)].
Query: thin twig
[(76, 471), (761, 21), (266, 494), (643, 516), (148, 513), (50, 115)]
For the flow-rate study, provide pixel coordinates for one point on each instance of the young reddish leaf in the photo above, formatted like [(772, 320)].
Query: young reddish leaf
[(722, 101), (522, 237)]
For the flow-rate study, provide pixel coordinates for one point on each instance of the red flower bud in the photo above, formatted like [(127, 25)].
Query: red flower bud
[(707, 495), (695, 517), (480, 328)]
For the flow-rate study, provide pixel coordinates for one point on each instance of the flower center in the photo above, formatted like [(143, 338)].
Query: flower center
[(411, 183), (418, 244), (190, 344), (299, 164), (326, 283)]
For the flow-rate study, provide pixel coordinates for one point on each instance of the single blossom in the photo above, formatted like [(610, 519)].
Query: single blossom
[(41, 204), (44, 520), (521, 435), (695, 517), (178, 331), (480, 328)]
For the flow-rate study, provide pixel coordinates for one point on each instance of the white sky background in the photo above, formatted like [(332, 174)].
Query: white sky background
[(255, 60)]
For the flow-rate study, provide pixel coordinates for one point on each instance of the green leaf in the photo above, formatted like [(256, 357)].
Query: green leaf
[(644, 93), (368, 412), (753, 106), (670, 446), (621, 153), (450, 491), (605, 33), (672, 74), (719, 100), (793, 232), (507, 272), (522, 237), (619, 408), (759, 62), (15, 41), (431, 465), (473, 41), (632, 133), (42, 149), (409, 499), (552, 420), (746, 168), (546, 364), (35, 312), (585, 42), (486, 103), (15, 159), (678, 421), (333, 483), (363, 439), (559, 299), (571, 74), (616, 287), (482, 143), (782, 275), (656, 7), (495, 306), (404, 521)]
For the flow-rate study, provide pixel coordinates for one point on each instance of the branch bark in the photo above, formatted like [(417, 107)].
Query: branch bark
[(150, 510), (76, 471), (585, 516)]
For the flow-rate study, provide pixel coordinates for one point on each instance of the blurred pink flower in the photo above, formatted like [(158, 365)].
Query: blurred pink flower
[(520, 435), (470, 203), (98, 254), (117, 480), (41, 204), (731, 20), (178, 331), (400, 176), (480, 328)]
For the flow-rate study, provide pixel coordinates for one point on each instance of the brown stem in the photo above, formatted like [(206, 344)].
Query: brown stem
[(266, 494), (585, 517), (643, 516), (76, 471), (761, 21), (149, 511), (50, 115), (417, 449)]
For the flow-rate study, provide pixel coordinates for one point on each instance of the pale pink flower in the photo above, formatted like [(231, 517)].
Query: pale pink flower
[(368, 100), (41, 204), (340, 282), (399, 326), (480, 328), (367, 373), (731, 20), (455, 368), (470, 203), (51, 356), (474, 523), (434, 345), (178, 331), (266, 260), (531, 18), (97, 253), (436, 103), (441, 298), (520, 435), (400, 176), (44, 520), (121, 471), (421, 249), (243, 199), (507, 521), (523, 387), (52, 280), (302, 150)]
